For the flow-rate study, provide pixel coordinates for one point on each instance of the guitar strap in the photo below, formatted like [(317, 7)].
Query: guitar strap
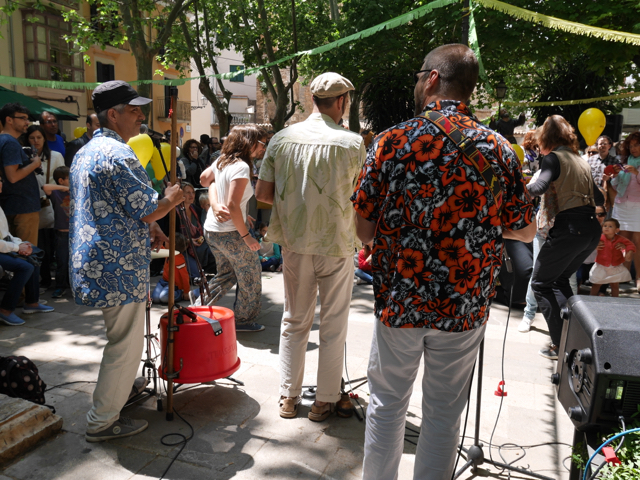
[(469, 150)]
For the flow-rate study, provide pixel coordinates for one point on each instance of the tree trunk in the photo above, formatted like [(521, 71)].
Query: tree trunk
[(278, 119), (354, 111), (144, 67)]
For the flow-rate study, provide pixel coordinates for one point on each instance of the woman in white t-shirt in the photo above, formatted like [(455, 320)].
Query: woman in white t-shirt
[(233, 246)]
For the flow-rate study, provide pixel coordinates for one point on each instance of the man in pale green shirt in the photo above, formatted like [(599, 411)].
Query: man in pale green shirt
[(308, 174)]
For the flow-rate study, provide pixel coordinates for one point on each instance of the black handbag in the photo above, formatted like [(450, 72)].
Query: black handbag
[(35, 259)]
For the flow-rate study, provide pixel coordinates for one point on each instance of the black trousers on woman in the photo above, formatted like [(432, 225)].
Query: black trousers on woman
[(570, 242)]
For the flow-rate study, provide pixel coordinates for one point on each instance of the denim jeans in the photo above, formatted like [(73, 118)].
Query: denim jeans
[(62, 259), (273, 261), (26, 276), (364, 276)]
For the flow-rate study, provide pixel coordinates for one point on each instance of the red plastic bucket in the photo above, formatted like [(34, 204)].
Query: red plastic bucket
[(204, 356)]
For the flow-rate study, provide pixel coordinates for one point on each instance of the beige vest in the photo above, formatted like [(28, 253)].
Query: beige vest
[(575, 183)]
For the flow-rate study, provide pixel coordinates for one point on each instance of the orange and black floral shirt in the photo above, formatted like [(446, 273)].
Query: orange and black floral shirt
[(438, 240)]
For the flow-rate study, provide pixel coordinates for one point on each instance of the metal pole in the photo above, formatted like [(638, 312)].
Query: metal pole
[(172, 257)]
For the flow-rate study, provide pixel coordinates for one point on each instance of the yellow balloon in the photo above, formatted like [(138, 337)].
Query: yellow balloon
[(156, 161), (591, 124), (79, 131), (519, 151), (142, 146)]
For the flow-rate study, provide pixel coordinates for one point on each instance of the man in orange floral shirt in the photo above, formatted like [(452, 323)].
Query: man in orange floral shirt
[(437, 234)]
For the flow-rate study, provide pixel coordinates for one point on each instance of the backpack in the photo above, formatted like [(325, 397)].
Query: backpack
[(19, 379)]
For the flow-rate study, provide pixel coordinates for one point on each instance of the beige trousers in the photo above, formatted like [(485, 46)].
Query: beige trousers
[(25, 226), (304, 276), (121, 359)]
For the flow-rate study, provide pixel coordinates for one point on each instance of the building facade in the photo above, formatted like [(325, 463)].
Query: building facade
[(243, 101), (36, 49)]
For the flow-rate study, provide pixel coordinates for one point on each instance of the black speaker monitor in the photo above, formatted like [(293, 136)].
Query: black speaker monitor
[(598, 372)]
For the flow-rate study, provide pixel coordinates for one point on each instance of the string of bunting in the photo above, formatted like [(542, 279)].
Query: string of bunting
[(559, 24), (521, 13), (475, 46), (574, 102), (388, 25)]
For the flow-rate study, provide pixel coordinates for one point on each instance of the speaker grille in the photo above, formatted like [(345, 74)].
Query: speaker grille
[(631, 399)]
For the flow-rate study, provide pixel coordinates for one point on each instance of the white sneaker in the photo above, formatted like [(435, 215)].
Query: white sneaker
[(359, 281), (525, 325)]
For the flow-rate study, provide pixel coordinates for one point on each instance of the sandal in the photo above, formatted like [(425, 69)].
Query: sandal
[(289, 406), (318, 414)]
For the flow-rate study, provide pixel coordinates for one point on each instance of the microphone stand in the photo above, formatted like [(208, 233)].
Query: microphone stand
[(475, 454), (170, 374)]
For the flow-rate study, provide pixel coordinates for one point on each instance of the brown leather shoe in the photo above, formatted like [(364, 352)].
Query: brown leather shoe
[(289, 406), (318, 414), (344, 408)]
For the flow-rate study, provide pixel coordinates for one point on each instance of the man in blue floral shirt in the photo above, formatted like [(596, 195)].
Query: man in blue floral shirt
[(112, 223)]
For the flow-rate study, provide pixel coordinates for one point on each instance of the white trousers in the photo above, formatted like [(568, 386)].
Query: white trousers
[(304, 275), (120, 362), (393, 366)]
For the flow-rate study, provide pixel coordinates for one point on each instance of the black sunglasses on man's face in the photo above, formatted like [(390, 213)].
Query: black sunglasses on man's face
[(417, 76)]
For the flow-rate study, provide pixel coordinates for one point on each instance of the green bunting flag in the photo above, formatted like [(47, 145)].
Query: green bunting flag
[(559, 24)]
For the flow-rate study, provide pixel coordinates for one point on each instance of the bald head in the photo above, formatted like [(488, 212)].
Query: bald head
[(457, 68)]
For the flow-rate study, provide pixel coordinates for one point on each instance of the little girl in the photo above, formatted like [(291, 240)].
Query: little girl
[(609, 266)]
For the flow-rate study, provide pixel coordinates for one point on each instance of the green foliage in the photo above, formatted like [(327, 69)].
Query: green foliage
[(386, 59), (266, 30), (530, 58), (629, 456), (572, 80)]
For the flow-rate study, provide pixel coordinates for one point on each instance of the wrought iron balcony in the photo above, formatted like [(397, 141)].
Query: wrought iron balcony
[(238, 118), (183, 109)]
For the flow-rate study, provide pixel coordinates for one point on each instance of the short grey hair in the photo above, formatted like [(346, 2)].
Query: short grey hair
[(458, 68), (103, 115)]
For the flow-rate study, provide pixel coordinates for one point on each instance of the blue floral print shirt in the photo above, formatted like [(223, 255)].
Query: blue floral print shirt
[(109, 243)]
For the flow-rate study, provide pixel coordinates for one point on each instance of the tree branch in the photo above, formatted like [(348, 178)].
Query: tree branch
[(265, 73), (175, 13)]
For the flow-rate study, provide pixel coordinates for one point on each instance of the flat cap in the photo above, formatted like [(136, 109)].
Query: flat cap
[(116, 92), (330, 84)]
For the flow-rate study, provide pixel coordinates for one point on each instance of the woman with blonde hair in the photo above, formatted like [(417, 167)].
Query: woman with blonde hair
[(576, 231), (233, 247)]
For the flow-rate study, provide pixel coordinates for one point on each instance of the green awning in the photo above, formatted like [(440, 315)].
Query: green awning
[(36, 107)]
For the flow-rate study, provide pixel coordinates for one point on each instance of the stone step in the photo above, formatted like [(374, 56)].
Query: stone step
[(22, 425)]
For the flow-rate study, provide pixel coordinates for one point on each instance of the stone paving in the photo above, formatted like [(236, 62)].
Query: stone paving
[(237, 430)]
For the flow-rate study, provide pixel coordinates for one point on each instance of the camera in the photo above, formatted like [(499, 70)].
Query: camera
[(31, 153)]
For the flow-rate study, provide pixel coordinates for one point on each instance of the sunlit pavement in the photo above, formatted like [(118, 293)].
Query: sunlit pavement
[(238, 432)]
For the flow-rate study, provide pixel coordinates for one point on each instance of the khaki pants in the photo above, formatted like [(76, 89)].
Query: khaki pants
[(25, 226), (396, 354), (120, 362), (304, 275)]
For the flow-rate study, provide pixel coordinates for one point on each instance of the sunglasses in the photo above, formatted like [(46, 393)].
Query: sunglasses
[(416, 75), (604, 214), (262, 143)]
